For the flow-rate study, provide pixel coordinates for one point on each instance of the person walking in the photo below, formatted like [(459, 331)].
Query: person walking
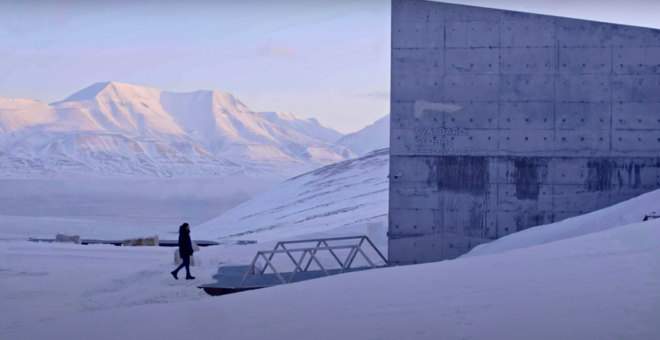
[(185, 251)]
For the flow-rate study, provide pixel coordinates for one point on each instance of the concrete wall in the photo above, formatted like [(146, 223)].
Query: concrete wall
[(544, 118)]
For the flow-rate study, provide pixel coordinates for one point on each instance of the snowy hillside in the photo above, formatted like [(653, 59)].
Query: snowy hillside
[(121, 129), (373, 137), (338, 195)]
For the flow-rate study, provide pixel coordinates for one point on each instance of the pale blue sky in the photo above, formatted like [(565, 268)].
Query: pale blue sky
[(323, 59)]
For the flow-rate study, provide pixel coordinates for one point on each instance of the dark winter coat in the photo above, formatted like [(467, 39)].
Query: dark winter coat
[(185, 244)]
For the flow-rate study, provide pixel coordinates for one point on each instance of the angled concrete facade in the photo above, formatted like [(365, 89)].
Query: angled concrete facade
[(502, 121)]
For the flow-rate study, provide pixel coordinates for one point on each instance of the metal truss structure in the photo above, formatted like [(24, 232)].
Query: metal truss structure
[(322, 244)]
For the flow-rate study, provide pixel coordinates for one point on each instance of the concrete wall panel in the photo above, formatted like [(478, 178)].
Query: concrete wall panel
[(585, 60), (630, 36), (584, 88), (527, 87), (526, 142), (573, 32), (417, 11), (569, 170), (414, 170), (472, 61), (470, 223), (477, 115), (512, 197), (469, 13), (638, 116), (636, 60), (526, 60), (419, 34), (527, 33), (417, 64), (636, 88), (415, 222), (582, 143), (483, 88), (414, 198), (472, 34), (553, 118), (576, 198), (583, 116), (529, 172), (418, 249), (468, 201), (527, 115), (636, 142)]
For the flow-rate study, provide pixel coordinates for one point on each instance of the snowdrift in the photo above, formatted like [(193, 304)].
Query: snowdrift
[(623, 213)]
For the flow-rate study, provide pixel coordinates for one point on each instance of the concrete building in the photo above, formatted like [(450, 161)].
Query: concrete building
[(502, 121)]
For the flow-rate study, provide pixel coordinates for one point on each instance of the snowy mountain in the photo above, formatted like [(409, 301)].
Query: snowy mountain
[(373, 137), (311, 126), (121, 129), (335, 196)]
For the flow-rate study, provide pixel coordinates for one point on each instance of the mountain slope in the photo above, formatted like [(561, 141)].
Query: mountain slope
[(121, 129), (19, 114), (338, 195), (311, 127), (373, 137)]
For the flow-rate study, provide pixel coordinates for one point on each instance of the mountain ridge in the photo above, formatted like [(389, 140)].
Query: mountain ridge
[(372, 137), (113, 128)]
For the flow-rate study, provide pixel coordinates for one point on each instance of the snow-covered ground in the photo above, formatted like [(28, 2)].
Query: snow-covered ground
[(568, 280), (603, 285), (45, 281)]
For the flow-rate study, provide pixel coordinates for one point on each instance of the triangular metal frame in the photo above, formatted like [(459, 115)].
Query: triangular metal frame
[(321, 245)]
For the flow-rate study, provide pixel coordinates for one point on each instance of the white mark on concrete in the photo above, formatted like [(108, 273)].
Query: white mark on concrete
[(422, 105)]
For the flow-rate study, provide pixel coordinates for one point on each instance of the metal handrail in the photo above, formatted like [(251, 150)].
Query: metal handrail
[(343, 238), (346, 264)]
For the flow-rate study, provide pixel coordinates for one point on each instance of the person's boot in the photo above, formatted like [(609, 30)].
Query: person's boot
[(174, 274), (190, 277)]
